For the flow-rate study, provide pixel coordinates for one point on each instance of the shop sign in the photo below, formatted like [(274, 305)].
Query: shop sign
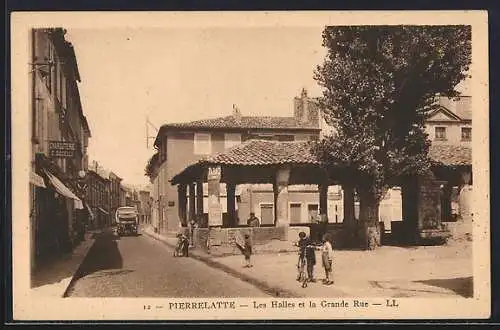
[(62, 149)]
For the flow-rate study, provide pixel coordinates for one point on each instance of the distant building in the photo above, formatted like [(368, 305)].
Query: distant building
[(123, 197), (183, 143), (115, 193), (145, 206), (451, 123), (98, 196)]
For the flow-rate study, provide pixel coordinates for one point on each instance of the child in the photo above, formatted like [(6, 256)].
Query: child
[(307, 255), (182, 248), (246, 249), (327, 258), (302, 243)]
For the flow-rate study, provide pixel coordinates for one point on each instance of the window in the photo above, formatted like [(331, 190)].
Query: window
[(295, 212), (466, 133), (313, 212), (440, 133), (202, 145), (266, 214), (231, 139)]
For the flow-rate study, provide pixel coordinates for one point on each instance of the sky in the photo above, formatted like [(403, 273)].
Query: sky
[(175, 75)]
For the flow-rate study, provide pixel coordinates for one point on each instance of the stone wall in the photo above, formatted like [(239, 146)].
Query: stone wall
[(221, 241)]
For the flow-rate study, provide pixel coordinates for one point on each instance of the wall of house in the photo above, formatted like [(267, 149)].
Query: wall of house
[(180, 153), (453, 132), (53, 118)]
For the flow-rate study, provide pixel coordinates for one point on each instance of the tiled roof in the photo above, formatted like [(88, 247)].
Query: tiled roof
[(271, 122), (451, 155), (264, 152)]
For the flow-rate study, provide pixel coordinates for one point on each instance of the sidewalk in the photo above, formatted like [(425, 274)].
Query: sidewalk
[(424, 271), (53, 278)]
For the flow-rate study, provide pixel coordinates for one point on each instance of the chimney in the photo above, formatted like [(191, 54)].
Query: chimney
[(301, 107), (236, 113)]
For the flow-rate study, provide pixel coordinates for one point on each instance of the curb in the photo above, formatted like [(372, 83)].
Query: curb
[(79, 269), (262, 285)]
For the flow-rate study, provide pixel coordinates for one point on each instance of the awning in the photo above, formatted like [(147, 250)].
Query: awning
[(36, 180), (102, 210), (63, 190)]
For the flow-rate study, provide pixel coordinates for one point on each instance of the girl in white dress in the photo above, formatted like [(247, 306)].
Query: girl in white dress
[(327, 258)]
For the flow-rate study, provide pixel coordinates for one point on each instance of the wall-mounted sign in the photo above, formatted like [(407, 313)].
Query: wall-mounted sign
[(214, 214), (62, 149), (171, 203)]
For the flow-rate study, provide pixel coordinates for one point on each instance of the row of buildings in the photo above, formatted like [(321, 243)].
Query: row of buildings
[(180, 145), (67, 196), (106, 193)]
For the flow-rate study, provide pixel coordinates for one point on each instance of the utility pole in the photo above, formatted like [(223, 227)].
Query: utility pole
[(148, 123)]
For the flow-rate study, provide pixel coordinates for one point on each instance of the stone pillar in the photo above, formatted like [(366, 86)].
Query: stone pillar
[(181, 192), (446, 202), (192, 198), (199, 199), (349, 214), (231, 204), (281, 197), (214, 206), (465, 197)]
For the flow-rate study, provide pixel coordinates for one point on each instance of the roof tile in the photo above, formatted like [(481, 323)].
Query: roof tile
[(451, 155), (264, 152), (245, 122)]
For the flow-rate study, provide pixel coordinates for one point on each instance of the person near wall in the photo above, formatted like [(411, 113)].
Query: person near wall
[(253, 221), (246, 249), (191, 226)]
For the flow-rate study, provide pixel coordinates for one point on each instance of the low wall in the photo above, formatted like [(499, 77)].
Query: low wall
[(221, 241)]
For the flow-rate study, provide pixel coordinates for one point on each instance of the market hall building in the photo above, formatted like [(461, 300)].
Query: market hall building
[(229, 141)]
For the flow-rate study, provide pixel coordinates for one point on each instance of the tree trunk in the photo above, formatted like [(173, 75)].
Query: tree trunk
[(369, 218)]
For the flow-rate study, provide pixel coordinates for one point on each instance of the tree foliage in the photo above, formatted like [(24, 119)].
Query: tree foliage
[(149, 171), (379, 85)]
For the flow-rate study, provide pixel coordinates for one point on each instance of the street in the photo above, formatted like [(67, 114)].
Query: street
[(139, 266)]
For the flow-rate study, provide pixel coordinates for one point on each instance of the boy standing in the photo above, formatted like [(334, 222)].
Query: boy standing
[(307, 255), (246, 249)]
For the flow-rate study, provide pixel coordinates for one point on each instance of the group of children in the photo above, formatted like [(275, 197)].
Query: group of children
[(307, 257)]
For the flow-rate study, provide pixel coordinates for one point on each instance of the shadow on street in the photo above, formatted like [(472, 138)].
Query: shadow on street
[(461, 285), (103, 255)]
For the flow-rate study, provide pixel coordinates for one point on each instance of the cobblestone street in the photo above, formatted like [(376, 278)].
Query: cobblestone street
[(139, 266)]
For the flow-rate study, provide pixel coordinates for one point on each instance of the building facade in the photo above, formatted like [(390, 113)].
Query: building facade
[(98, 196), (181, 144), (189, 142), (115, 194), (145, 206), (59, 140)]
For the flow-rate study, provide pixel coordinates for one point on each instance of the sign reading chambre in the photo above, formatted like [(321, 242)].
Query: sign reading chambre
[(62, 149)]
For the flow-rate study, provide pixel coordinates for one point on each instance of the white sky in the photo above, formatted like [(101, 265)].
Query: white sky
[(173, 75)]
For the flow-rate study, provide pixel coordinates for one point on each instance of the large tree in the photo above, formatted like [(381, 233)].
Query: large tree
[(379, 85)]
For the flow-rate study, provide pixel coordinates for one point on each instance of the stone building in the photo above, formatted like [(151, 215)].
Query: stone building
[(180, 144), (59, 140)]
